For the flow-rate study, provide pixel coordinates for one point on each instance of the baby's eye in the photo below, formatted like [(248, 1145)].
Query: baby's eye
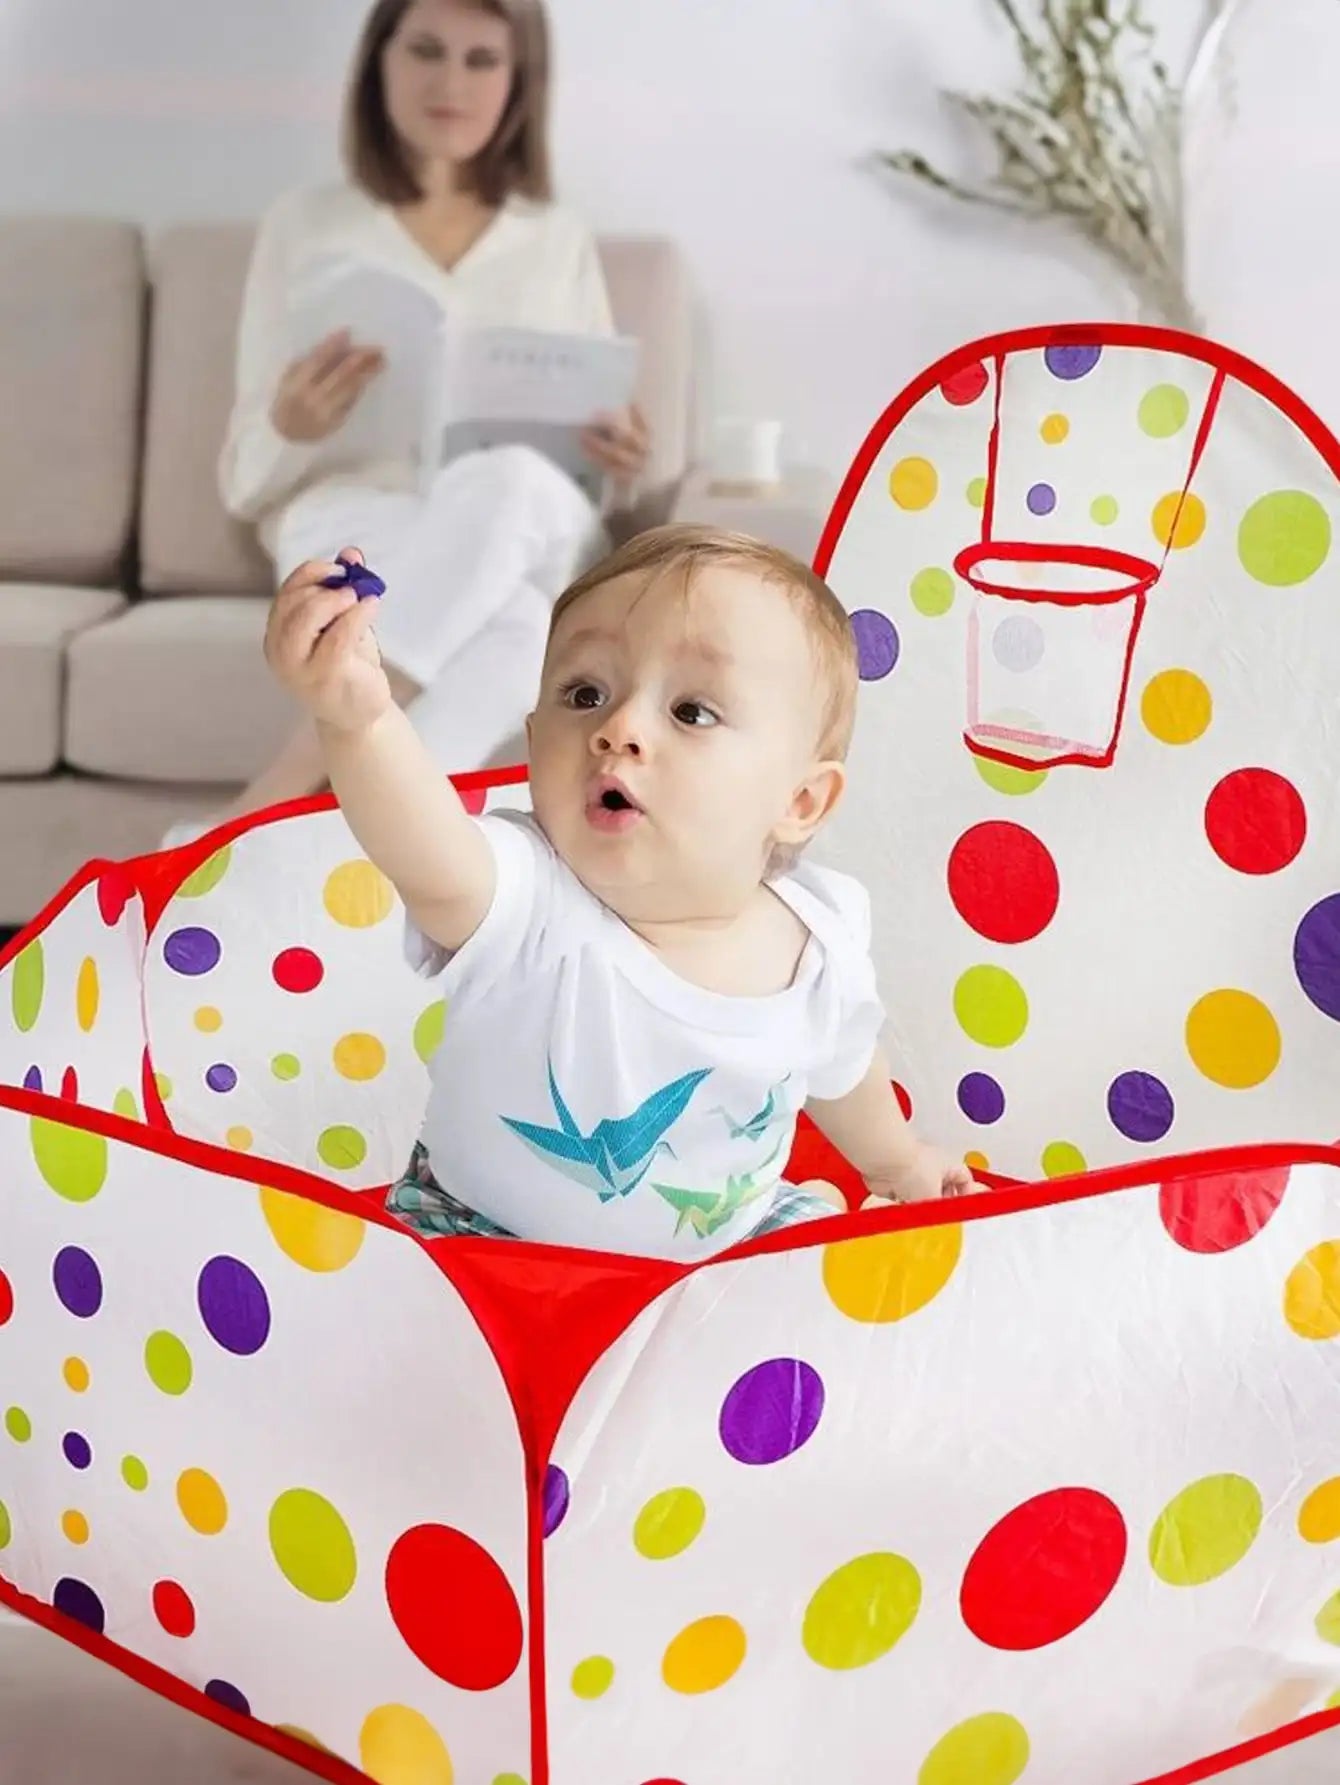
[(584, 697), (694, 713)]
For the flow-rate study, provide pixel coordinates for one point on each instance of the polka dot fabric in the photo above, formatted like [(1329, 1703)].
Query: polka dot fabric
[(1093, 963), (803, 1552)]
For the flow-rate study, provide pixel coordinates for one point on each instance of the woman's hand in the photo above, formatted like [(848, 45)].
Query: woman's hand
[(319, 643), (618, 444), (318, 391)]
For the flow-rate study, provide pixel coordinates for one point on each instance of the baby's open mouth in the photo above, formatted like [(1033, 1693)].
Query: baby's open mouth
[(614, 801)]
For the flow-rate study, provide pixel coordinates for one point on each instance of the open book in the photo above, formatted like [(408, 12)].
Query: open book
[(450, 388)]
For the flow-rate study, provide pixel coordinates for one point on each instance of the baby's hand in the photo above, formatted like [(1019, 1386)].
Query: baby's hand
[(319, 642), (928, 1175)]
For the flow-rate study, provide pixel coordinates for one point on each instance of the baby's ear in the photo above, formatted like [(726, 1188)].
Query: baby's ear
[(814, 801), (530, 728)]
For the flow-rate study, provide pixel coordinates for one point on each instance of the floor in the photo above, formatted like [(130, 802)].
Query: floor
[(67, 1720)]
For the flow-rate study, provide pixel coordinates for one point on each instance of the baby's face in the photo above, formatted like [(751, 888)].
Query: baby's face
[(674, 738)]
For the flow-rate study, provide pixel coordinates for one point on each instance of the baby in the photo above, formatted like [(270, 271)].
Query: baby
[(644, 982)]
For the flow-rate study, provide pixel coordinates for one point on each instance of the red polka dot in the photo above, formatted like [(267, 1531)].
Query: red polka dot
[(6, 1300), (173, 1609), (1217, 1214), (114, 890), (965, 385), (69, 1085), (1256, 821), (454, 1607), (1044, 1570), (904, 1100), (474, 800), (297, 970), (1003, 882)]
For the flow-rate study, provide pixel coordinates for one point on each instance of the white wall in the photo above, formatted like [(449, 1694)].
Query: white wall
[(825, 290)]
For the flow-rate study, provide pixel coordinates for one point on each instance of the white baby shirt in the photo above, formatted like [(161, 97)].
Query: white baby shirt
[(586, 1095)]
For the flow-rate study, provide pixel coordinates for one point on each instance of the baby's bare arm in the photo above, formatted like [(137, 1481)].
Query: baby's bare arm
[(867, 1126)]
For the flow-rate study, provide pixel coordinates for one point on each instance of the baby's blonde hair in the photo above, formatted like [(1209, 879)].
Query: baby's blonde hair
[(683, 549)]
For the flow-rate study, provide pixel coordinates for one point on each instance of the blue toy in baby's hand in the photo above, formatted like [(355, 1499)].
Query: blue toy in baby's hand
[(364, 582)]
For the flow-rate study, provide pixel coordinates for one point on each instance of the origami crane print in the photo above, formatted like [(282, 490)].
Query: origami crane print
[(757, 1125), (617, 1154), (708, 1211)]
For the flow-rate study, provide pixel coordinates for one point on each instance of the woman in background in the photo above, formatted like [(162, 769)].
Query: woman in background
[(446, 150)]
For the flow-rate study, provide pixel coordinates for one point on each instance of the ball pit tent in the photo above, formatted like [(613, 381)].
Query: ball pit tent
[(1040, 1486)]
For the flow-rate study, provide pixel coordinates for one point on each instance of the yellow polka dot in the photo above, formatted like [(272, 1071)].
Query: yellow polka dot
[(976, 492), (75, 1372), (977, 1161), (87, 994), (704, 1656), (208, 1020), (1055, 429), (1176, 707), (890, 1275), (241, 1140), (202, 1502), (398, 1746), (991, 1006), (988, 1750), (1312, 1293), (359, 1057), (75, 1527), (861, 1611), (1178, 521), (1319, 1515), (292, 1731), (1328, 1620), (1061, 1160), (914, 483), (317, 1238), (593, 1677), (358, 895), (1233, 1039), (1205, 1530), (669, 1523)]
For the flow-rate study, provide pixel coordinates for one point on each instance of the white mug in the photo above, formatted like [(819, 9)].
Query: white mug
[(745, 454)]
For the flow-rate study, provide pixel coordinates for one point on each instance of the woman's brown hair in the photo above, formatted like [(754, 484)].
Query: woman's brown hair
[(517, 157)]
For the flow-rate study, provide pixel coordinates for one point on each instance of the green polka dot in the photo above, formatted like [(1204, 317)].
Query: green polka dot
[(1004, 777), (976, 492), (1061, 1160), (593, 1677), (286, 1066), (311, 1543), (669, 1523), (932, 592), (6, 1528), (134, 1474), (163, 1085), (124, 1104), (1163, 411), (73, 1163), (207, 876), (990, 1006), (1284, 538), (168, 1362), (429, 1030), (1333, 1702), (342, 1148), (1206, 1530), (509, 1779), (18, 1425), (27, 983), (1104, 510), (1328, 1620)]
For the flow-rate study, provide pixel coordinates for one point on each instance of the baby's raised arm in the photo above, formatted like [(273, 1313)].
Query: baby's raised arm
[(403, 811)]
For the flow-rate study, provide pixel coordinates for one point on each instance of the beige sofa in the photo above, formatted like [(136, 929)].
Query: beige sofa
[(132, 689)]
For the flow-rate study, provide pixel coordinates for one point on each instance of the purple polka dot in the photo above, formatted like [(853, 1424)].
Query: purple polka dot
[(1041, 499), (192, 952), (1072, 362), (32, 1079), (772, 1411), (1316, 956), (981, 1098), (78, 1451), (222, 1693), (877, 645), (221, 1077), (1140, 1106), (73, 1599), (78, 1282), (234, 1306), (557, 1494)]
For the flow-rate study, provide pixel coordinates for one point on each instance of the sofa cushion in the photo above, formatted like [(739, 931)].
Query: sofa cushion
[(188, 543), (37, 621), (176, 690), (71, 330)]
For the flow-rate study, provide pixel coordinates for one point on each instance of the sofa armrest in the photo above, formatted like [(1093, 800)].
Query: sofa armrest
[(790, 514)]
